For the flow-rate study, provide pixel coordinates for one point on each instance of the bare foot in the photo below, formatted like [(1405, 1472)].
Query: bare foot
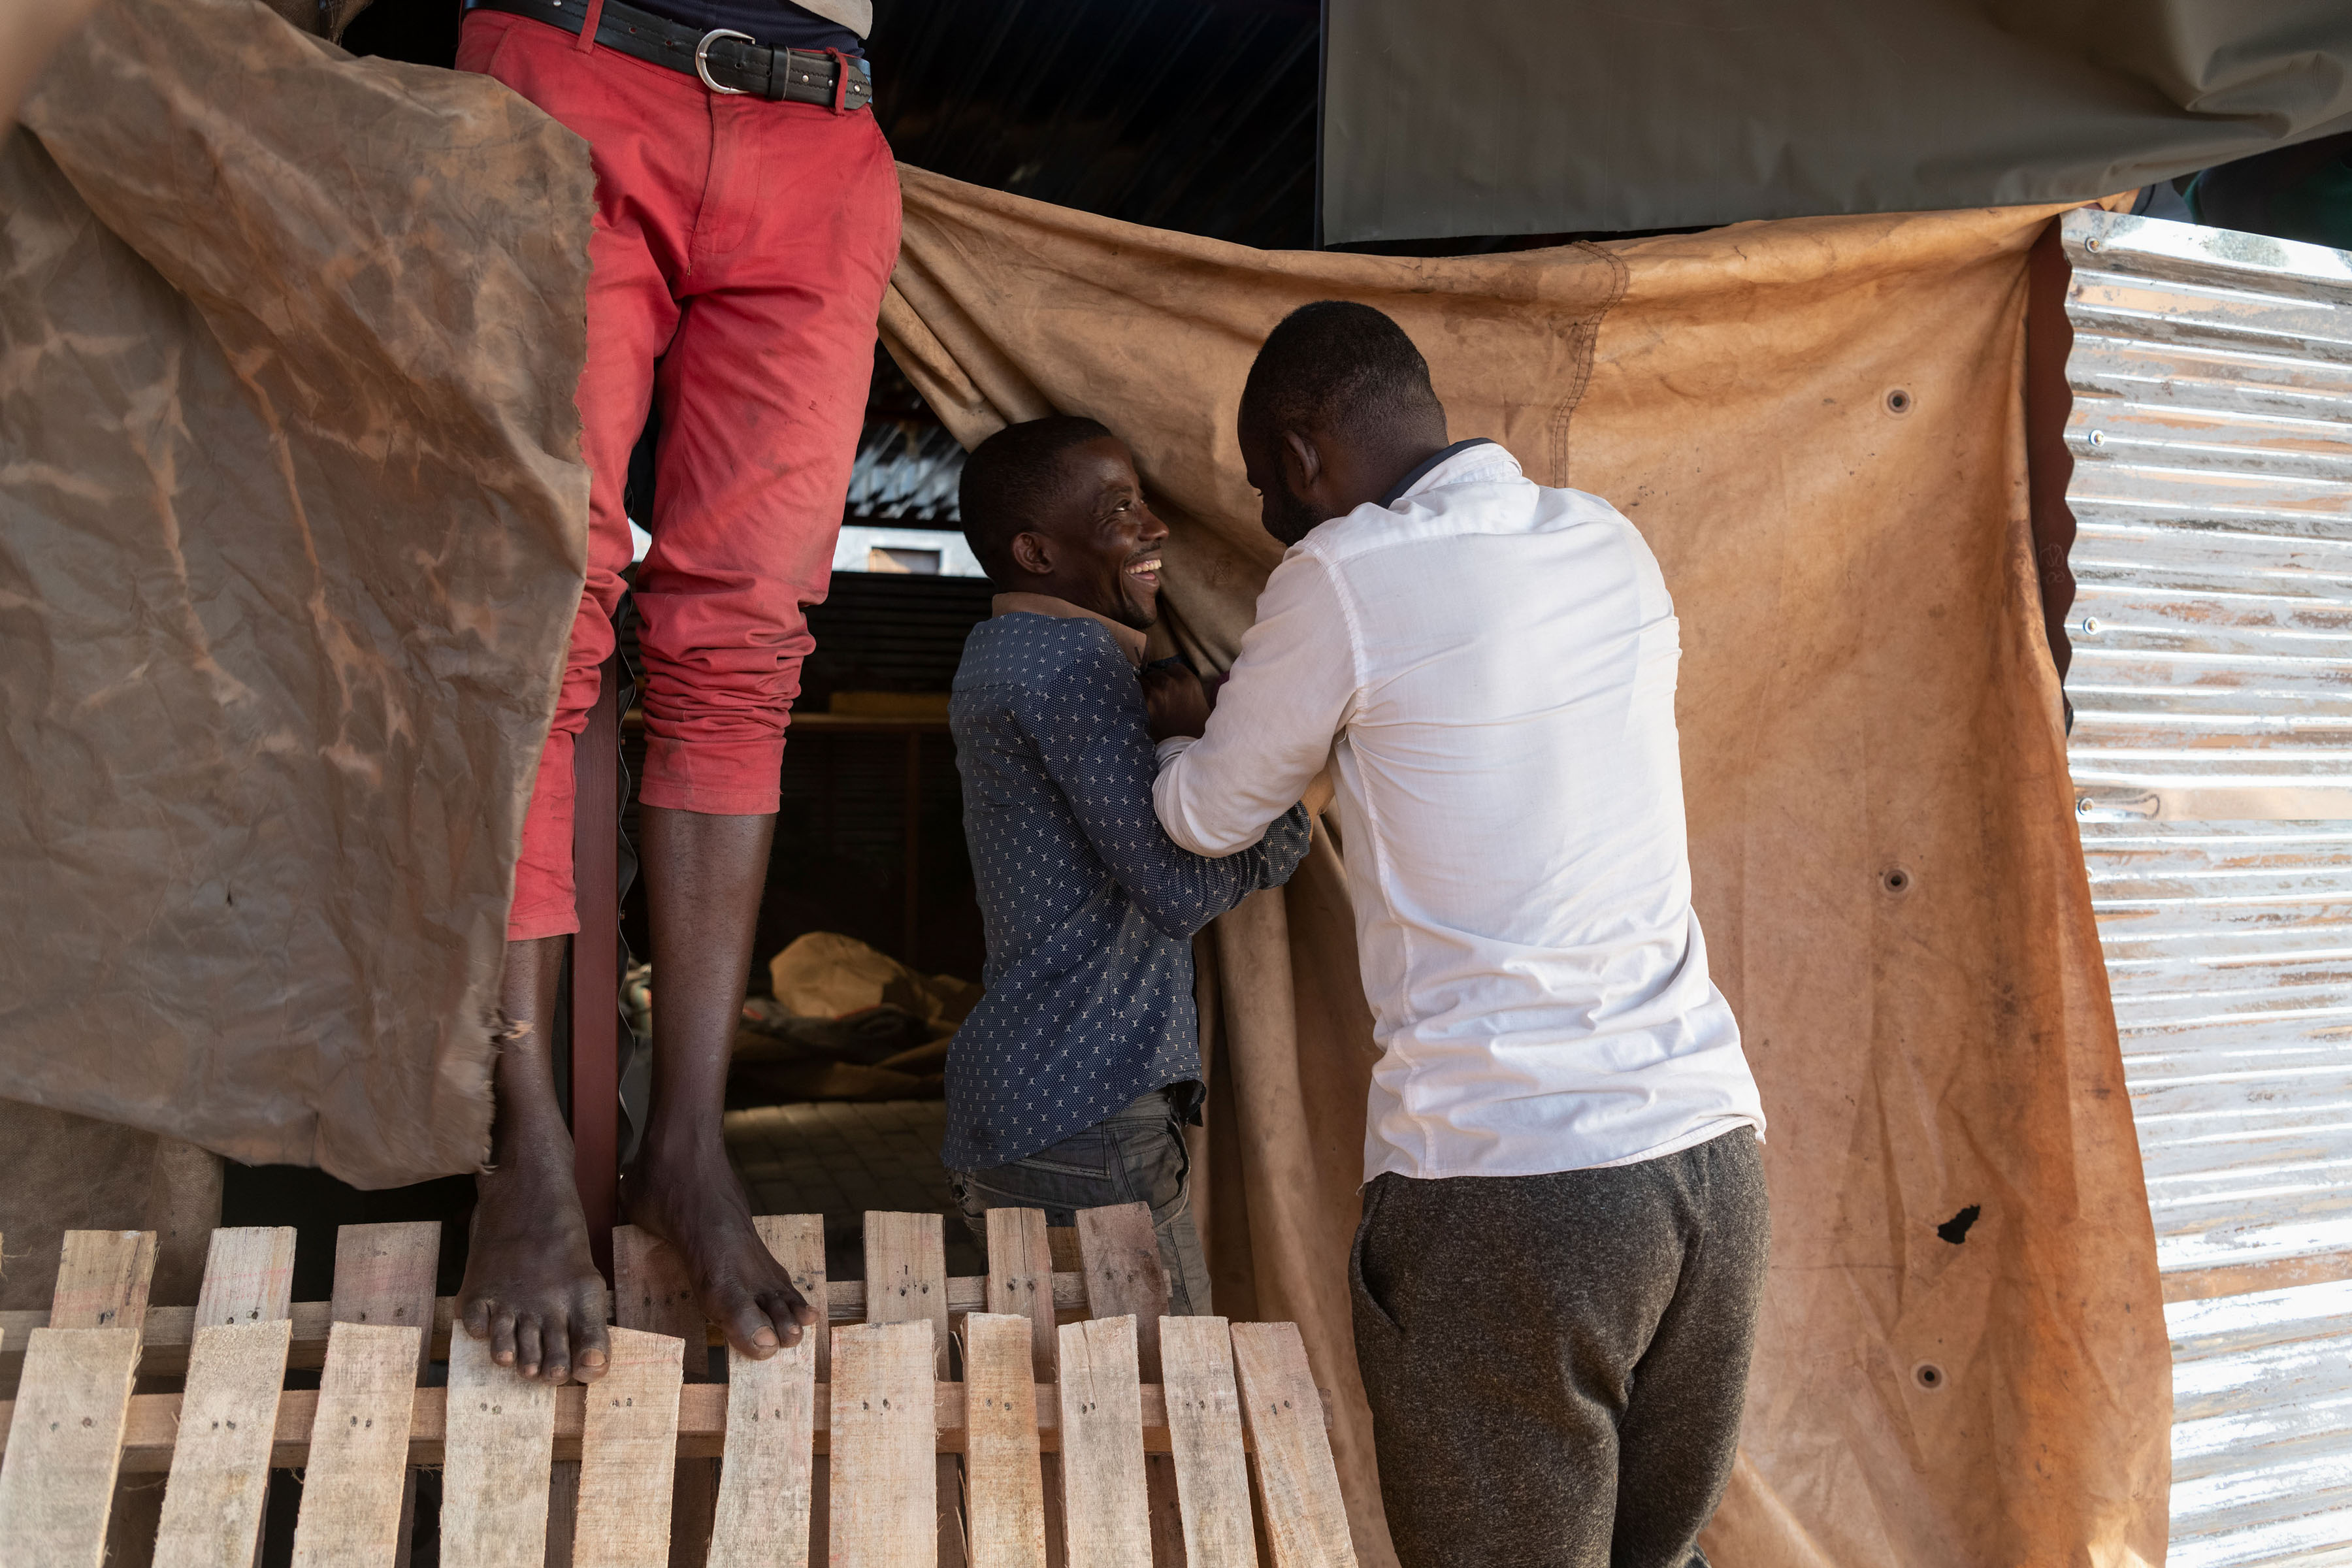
[(532, 1287), (692, 1199)]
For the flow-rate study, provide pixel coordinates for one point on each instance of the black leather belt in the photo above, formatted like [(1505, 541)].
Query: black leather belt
[(726, 61)]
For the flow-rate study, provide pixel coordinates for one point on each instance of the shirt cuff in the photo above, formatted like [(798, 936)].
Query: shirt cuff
[(1174, 745)]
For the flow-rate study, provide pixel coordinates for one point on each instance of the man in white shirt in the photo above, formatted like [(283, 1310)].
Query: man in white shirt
[(1565, 1223)]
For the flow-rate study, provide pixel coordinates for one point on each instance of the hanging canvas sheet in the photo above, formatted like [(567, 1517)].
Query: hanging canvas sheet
[(1818, 425)]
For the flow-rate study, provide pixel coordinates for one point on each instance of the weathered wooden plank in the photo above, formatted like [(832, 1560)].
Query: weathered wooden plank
[(103, 1280), (1021, 1279), (248, 1278), (56, 1478), (653, 1293), (628, 1443), (497, 1453), (797, 1241), (762, 1520), (1004, 1494), (1102, 1446), (1120, 1253), (906, 1282), (164, 1343), (1305, 1518), (884, 1484), (384, 1276), (358, 1457), (220, 1464), (906, 1275), (1205, 1425)]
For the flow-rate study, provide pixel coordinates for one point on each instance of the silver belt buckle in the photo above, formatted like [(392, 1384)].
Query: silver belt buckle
[(702, 59)]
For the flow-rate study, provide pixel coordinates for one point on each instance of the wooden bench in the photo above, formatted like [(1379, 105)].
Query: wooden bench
[(1033, 1418)]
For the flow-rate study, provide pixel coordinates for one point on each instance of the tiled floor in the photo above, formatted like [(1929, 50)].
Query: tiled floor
[(840, 1158)]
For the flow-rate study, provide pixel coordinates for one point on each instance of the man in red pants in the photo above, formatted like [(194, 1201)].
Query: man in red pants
[(747, 221)]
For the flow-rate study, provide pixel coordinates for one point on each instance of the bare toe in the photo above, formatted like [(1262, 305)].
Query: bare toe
[(527, 1343), (502, 1336), (555, 1352), (590, 1344)]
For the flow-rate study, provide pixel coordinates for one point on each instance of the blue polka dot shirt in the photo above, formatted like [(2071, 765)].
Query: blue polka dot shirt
[(1087, 906)]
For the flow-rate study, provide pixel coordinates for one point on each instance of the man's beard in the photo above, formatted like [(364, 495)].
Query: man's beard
[(1288, 518)]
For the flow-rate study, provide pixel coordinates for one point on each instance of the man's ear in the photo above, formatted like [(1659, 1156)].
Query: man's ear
[(1034, 553), (1302, 462)]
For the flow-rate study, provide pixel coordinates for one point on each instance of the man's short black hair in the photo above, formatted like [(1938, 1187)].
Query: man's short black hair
[(1338, 366), (1009, 478)]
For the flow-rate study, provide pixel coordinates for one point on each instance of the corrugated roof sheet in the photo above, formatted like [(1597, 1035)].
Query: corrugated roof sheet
[(2212, 759)]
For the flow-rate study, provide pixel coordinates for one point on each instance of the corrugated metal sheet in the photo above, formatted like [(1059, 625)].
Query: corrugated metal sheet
[(2212, 758)]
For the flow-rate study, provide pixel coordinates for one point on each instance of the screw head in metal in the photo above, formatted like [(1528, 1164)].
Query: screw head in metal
[(2094, 244), (2098, 437), (2090, 625)]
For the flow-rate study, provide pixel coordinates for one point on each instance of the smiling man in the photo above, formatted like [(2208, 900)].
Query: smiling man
[(1068, 1087)]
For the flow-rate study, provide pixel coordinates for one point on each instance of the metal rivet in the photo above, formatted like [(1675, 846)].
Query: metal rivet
[(2098, 437), (2093, 244), (2082, 808), (2090, 625)]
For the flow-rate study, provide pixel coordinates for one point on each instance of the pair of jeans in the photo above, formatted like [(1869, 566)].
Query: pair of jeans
[(1134, 1155), (737, 261)]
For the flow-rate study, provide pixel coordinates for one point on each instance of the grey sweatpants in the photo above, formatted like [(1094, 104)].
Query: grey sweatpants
[(1556, 1365)]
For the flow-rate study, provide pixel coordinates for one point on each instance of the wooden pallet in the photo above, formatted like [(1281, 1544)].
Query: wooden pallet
[(1031, 1419)]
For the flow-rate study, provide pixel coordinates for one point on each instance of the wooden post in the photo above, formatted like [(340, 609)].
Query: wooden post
[(597, 966), (914, 844)]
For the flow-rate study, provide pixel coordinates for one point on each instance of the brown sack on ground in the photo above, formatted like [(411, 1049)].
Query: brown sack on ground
[(292, 533), (1881, 826)]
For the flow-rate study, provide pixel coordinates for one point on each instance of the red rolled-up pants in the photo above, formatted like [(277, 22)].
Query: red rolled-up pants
[(738, 259)]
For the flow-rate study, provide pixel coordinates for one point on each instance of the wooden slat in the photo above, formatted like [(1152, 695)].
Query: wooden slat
[(1120, 1253), (1004, 1493), (220, 1464), (797, 1241), (57, 1478), (248, 1278), (496, 1453), (762, 1516), (1021, 1279), (906, 1282), (906, 1275), (1306, 1519), (885, 1498), (1205, 1425), (653, 1293), (164, 1347), (103, 1280), (384, 1276), (358, 1457), (1102, 1446), (628, 1441), (701, 1424)]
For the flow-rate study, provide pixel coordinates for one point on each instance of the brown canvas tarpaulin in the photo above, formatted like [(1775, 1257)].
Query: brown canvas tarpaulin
[(291, 531), (1881, 822)]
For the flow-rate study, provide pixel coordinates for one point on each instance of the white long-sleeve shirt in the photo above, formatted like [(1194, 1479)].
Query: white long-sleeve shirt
[(1488, 666)]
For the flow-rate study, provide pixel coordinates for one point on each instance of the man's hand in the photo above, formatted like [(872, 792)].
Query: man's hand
[(1173, 700)]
